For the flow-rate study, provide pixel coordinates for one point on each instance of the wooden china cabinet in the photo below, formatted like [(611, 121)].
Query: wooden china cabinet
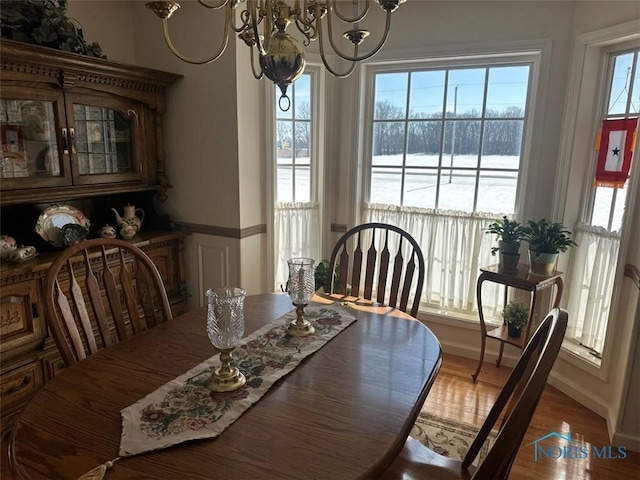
[(82, 132)]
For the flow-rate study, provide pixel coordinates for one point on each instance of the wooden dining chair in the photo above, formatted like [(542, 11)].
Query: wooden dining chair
[(99, 292), (517, 402), (394, 266)]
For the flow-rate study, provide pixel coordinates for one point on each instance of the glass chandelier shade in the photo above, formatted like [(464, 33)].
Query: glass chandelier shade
[(262, 25)]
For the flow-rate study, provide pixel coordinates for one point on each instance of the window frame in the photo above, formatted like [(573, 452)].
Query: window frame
[(319, 149), (608, 54), (485, 60), (313, 174), (585, 98)]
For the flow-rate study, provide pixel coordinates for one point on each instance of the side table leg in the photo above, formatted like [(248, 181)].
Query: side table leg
[(483, 328), (500, 354), (483, 341)]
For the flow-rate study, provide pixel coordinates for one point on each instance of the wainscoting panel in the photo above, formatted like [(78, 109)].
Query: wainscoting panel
[(211, 262)]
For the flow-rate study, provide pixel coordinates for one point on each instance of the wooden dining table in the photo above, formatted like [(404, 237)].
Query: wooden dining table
[(343, 413)]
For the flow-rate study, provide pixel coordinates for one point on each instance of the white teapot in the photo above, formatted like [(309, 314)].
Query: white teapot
[(129, 217)]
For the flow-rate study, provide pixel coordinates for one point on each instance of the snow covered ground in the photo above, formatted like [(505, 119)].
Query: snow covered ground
[(497, 182)]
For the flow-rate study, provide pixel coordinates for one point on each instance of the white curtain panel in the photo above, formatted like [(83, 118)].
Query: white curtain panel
[(296, 234), (454, 246), (590, 278)]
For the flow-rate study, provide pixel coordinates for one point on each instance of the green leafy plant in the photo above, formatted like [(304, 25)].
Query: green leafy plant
[(516, 314), (547, 237), (322, 277), (44, 22), (505, 230)]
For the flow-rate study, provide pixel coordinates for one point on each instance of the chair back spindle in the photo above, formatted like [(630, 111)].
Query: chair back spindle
[(100, 292), (394, 284)]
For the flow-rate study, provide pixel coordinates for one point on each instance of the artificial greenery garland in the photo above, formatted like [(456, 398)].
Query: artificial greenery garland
[(44, 22)]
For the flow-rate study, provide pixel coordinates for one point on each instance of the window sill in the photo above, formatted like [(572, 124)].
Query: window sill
[(457, 319), (581, 358)]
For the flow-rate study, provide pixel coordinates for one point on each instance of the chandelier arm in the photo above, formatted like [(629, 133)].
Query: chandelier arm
[(257, 76), (263, 46), (307, 29), (304, 13), (241, 28), (223, 46), (324, 59), (304, 23), (307, 37), (334, 7), (214, 7), (356, 58)]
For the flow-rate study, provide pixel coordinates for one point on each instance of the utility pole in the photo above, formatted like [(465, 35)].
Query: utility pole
[(453, 133)]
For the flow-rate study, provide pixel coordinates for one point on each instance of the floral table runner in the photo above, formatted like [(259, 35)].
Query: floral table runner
[(184, 409)]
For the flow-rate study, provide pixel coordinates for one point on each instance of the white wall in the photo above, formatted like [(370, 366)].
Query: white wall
[(108, 23)]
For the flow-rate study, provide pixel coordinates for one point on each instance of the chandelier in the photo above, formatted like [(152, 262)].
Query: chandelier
[(262, 25)]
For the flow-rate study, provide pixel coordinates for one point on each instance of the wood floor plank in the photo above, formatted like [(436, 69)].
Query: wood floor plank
[(455, 395)]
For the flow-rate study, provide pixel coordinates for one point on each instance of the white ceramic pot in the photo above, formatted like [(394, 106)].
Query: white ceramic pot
[(7, 245), (108, 232), (543, 264)]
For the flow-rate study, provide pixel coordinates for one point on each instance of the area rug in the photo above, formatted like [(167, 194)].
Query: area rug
[(448, 437)]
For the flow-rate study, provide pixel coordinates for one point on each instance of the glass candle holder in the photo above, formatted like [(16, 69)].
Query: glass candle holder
[(300, 287), (225, 328)]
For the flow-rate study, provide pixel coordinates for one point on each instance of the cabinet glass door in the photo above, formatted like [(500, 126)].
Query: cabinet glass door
[(30, 146), (106, 141), (103, 139)]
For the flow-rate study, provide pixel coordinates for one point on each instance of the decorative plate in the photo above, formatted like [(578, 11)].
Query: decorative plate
[(52, 219)]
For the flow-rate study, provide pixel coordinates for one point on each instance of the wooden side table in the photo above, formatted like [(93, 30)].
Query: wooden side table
[(522, 280)]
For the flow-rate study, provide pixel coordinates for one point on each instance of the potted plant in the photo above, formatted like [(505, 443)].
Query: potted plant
[(508, 233), (322, 276), (515, 315), (546, 241)]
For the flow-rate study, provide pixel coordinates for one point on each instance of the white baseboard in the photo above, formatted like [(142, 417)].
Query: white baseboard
[(465, 351), (632, 442), (612, 421), (579, 394)]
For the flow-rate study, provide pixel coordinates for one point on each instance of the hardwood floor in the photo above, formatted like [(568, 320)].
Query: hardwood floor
[(456, 396)]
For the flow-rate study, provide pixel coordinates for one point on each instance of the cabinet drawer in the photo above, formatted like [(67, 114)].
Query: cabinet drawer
[(52, 364), (21, 320), (164, 259), (18, 385)]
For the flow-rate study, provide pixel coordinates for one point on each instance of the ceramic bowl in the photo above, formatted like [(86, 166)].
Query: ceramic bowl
[(73, 233)]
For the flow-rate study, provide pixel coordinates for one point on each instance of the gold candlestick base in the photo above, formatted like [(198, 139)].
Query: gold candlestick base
[(225, 378), (300, 327)]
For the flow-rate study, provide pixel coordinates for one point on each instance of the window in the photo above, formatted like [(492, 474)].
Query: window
[(293, 144), (449, 138), (592, 270), (297, 227), (446, 155), (606, 205)]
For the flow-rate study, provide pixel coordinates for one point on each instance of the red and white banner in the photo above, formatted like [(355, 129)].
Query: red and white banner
[(615, 150)]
